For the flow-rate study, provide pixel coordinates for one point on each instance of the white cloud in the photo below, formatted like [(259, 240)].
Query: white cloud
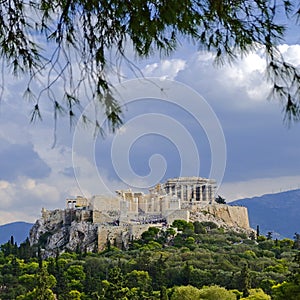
[(4, 184), (16, 216), (247, 74), (166, 69), (26, 197), (291, 53), (240, 85)]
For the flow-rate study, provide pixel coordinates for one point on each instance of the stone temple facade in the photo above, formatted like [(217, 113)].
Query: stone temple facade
[(188, 189)]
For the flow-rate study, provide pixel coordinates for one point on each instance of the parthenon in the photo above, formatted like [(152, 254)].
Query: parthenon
[(188, 189)]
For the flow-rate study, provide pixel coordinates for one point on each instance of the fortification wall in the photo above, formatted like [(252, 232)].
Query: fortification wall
[(83, 215), (100, 217), (105, 203), (181, 214), (135, 231), (116, 235), (120, 235)]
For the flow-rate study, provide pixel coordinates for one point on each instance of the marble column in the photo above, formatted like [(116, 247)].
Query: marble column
[(194, 192), (189, 192), (200, 193), (181, 192), (211, 194)]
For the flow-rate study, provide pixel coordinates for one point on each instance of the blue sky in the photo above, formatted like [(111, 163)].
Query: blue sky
[(159, 139)]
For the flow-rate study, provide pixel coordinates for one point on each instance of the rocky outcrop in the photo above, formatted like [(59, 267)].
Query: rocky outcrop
[(53, 234), (235, 216), (63, 230), (230, 217)]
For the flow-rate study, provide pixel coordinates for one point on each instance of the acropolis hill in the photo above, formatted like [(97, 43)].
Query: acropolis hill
[(88, 223)]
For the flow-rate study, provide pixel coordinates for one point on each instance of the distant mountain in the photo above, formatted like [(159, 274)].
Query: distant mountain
[(19, 230), (278, 213)]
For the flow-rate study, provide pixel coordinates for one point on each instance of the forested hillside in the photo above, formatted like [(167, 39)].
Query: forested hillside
[(186, 261)]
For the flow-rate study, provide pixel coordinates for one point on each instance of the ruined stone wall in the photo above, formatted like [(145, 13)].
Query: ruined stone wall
[(115, 234), (120, 235), (83, 215), (105, 203), (181, 214), (135, 231), (81, 202), (100, 217)]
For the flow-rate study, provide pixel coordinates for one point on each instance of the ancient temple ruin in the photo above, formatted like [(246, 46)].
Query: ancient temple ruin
[(166, 201), (188, 189), (128, 214)]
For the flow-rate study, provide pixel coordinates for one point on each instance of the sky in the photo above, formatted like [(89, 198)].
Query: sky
[(186, 117)]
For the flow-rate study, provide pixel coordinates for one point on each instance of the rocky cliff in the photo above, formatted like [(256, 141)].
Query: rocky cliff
[(229, 217), (58, 231), (62, 230)]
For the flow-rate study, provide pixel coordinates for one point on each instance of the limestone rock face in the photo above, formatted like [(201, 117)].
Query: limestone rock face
[(37, 230), (82, 235), (53, 234), (230, 217)]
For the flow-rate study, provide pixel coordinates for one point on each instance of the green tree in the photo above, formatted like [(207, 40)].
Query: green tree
[(267, 284), (115, 287), (96, 269), (15, 266), (286, 290), (297, 241), (74, 295), (186, 273), (150, 234), (185, 293), (75, 277), (25, 250), (82, 34), (199, 228), (220, 200), (209, 225), (141, 282), (257, 294), (269, 235), (28, 280), (216, 292), (9, 248), (43, 287), (163, 293), (286, 244), (183, 225), (245, 281)]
